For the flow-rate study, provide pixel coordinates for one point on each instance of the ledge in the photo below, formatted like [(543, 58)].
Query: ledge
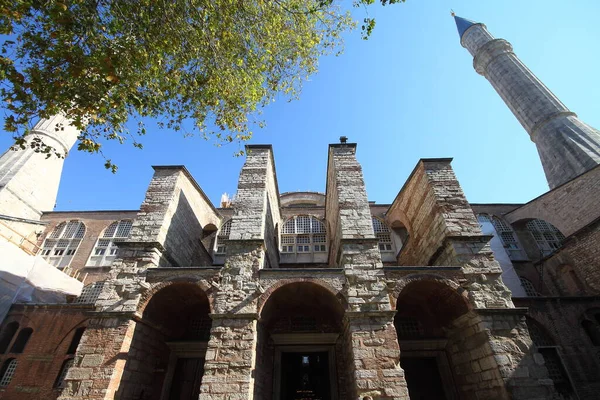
[(372, 313), (422, 268), (300, 271), (516, 310), (557, 298), (75, 306), (234, 316), (169, 269)]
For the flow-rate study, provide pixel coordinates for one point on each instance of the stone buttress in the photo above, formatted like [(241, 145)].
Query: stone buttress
[(231, 354), (370, 335), (488, 341), (567, 146), (173, 214)]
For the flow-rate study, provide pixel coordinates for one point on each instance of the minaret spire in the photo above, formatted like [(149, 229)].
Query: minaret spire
[(566, 145)]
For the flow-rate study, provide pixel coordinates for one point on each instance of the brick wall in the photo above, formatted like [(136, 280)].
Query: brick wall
[(40, 363)]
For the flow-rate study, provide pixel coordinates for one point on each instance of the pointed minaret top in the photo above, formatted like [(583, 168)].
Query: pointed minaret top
[(462, 24)]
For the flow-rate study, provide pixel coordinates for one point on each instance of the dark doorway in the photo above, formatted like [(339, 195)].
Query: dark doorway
[(305, 375), (423, 378), (187, 379)]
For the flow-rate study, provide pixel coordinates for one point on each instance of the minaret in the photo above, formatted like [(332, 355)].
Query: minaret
[(28, 180), (567, 146)]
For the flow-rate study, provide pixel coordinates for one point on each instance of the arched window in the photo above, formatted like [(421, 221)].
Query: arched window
[(21, 342), (303, 234), (60, 246), (60, 380), (90, 293), (506, 234), (7, 335), (529, 288), (106, 248), (75, 341), (383, 234), (547, 237), (223, 237), (7, 372)]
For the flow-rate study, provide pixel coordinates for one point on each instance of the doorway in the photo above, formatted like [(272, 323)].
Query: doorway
[(305, 375), (423, 378), (187, 379)]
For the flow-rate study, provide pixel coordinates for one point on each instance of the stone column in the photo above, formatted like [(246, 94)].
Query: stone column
[(370, 335)]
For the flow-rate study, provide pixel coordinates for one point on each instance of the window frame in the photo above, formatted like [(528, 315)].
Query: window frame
[(103, 256), (310, 229), (60, 246)]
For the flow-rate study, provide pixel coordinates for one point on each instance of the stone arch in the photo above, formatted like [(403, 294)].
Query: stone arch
[(402, 283), (202, 284), (300, 319), (264, 297), (172, 329)]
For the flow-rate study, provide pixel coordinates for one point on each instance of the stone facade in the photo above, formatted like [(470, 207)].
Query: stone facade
[(324, 296)]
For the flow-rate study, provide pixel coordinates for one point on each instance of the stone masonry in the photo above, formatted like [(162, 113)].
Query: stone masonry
[(567, 146)]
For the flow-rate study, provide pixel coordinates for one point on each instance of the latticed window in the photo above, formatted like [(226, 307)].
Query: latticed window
[(529, 288), (557, 371), (106, 248), (547, 237), (199, 328), (60, 246), (223, 237), (60, 380), (408, 328), (303, 234), (538, 334), (8, 371), (506, 233), (90, 293), (383, 234)]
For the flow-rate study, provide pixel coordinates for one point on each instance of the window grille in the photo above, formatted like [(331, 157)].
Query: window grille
[(408, 328), (60, 380), (529, 288), (383, 234), (106, 248), (60, 246), (483, 218), (223, 237), (539, 337), (307, 233), (199, 328), (547, 237), (557, 371), (8, 372), (90, 293)]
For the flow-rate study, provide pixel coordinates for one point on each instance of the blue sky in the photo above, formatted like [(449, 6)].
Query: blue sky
[(408, 92)]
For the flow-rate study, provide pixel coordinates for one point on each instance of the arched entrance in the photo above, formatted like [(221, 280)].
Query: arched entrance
[(299, 352), (166, 359), (427, 328)]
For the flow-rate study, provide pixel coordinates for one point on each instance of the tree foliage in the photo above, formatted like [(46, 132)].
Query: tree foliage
[(217, 62)]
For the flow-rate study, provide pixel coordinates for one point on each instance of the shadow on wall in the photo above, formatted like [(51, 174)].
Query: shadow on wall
[(166, 358), (463, 352), (183, 241)]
